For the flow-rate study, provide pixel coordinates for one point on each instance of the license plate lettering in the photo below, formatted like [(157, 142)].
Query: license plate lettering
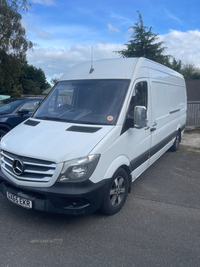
[(20, 201)]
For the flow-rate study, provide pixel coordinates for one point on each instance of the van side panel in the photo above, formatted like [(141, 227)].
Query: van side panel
[(168, 112)]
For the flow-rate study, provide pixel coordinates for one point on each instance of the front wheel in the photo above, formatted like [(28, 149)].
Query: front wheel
[(116, 193)]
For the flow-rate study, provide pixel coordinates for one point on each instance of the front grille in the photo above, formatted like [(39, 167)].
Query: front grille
[(33, 170)]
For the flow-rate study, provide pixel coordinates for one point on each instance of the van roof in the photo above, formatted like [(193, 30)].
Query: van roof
[(118, 68)]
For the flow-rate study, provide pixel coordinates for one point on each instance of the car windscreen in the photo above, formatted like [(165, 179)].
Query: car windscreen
[(85, 101), (7, 106)]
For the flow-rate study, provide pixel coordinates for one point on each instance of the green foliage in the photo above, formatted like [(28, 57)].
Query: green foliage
[(190, 72), (16, 76), (12, 35), (143, 44), (10, 73), (174, 64), (54, 81), (33, 80)]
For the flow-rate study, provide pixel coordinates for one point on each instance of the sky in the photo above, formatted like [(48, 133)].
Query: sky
[(64, 31)]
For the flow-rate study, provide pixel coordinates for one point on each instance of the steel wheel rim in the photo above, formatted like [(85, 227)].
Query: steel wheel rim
[(117, 191)]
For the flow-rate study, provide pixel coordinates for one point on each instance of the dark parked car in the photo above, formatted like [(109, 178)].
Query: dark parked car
[(15, 110)]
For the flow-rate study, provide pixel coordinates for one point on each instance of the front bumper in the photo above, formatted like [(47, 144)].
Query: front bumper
[(74, 199)]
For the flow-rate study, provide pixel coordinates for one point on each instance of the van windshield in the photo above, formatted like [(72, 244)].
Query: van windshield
[(84, 101)]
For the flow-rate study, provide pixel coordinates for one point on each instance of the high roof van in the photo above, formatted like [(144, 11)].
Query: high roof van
[(97, 130)]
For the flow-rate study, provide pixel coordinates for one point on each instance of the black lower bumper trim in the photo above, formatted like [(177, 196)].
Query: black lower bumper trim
[(72, 199)]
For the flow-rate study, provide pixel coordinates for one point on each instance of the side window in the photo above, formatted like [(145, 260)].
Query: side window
[(30, 105), (140, 98)]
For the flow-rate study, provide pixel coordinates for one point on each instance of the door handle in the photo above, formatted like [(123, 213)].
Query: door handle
[(153, 129), (147, 127), (155, 123)]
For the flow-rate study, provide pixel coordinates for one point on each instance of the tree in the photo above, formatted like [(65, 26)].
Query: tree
[(54, 81), (16, 76), (190, 72), (12, 35), (174, 64), (13, 45), (10, 73), (33, 80), (144, 44)]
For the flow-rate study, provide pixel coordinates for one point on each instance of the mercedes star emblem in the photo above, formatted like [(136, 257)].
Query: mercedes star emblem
[(18, 167)]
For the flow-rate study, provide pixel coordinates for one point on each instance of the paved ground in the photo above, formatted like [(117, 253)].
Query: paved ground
[(158, 226), (191, 140)]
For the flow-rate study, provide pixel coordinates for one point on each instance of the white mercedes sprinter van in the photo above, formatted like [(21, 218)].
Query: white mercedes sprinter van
[(97, 130)]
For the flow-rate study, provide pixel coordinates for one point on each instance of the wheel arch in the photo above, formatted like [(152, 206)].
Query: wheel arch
[(5, 127), (120, 162), (128, 171)]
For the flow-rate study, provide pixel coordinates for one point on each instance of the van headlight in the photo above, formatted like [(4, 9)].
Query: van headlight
[(78, 170)]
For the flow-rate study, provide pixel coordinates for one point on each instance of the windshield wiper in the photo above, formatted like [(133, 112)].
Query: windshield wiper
[(53, 119), (71, 121), (49, 118), (92, 123)]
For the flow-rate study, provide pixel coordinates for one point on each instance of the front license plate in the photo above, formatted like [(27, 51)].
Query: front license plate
[(19, 200)]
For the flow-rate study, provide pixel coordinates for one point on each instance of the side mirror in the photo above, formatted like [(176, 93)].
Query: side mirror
[(140, 117), (23, 112)]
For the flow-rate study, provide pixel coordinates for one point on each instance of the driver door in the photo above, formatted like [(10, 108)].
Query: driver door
[(139, 139)]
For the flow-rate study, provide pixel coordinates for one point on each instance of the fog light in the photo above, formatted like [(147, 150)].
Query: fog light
[(77, 202)]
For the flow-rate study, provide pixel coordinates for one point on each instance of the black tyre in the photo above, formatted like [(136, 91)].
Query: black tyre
[(116, 193), (2, 133), (175, 146)]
